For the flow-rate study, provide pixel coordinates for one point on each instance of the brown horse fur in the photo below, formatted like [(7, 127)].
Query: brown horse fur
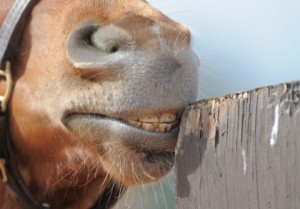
[(65, 159)]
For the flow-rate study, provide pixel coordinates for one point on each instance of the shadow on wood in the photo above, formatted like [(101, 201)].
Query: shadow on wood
[(241, 151)]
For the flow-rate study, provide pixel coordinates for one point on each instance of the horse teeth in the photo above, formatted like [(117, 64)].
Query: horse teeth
[(148, 127), (135, 123), (163, 127), (169, 127), (167, 117), (150, 119), (164, 123), (156, 127)]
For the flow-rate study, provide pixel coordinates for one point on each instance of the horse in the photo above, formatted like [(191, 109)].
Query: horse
[(99, 87)]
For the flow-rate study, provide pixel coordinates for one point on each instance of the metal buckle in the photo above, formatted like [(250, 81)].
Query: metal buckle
[(3, 174), (7, 74)]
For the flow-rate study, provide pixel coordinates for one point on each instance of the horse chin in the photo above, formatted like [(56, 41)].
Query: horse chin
[(129, 153), (140, 167)]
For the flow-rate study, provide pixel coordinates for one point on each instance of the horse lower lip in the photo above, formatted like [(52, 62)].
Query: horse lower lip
[(99, 129)]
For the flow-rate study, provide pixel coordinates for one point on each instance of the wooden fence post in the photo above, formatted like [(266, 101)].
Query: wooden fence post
[(241, 151)]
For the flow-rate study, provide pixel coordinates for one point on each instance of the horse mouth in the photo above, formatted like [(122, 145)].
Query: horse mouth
[(155, 123), (151, 133)]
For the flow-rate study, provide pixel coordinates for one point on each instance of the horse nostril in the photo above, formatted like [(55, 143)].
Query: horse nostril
[(93, 46), (111, 39), (86, 36), (114, 49), (103, 40), (106, 45)]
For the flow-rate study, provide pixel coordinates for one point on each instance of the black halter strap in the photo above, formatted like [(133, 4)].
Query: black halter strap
[(10, 34)]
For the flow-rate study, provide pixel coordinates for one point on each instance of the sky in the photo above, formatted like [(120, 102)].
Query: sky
[(242, 44)]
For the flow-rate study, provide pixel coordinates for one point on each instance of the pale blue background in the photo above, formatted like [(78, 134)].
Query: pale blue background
[(242, 44)]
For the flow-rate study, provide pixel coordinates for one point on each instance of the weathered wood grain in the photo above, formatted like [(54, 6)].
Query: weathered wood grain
[(241, 151)]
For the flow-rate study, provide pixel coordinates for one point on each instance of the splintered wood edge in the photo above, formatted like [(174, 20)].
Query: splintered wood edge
[(193, 111), (229, 126)]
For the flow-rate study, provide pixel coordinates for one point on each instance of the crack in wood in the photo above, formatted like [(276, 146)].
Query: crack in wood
[(241, 151)]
